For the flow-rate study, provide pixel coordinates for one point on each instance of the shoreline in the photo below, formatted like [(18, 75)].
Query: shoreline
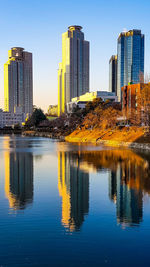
[(109, 143), (43, 134), (112, 143)]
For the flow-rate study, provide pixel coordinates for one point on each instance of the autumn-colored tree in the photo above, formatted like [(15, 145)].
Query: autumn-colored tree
[(140, 114), (104, 116), (145, 105)]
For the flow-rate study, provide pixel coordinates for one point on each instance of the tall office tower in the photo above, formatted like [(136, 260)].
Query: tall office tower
[(113, 74), (18, 85), (73, 73), (130, 59)]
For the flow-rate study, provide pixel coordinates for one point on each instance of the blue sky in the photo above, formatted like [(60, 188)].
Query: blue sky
[(37, 26)]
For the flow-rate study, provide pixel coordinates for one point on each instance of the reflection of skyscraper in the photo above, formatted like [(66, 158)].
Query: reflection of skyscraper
[(128, 200), (112, 186), (73, 185), (19, 179)]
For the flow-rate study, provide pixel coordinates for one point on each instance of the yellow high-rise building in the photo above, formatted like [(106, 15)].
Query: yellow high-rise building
[(18, 85), (73, 73)]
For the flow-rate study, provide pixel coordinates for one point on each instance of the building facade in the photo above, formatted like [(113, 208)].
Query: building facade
[(113, 74), (82, 100), (130, 59), (131, 97), (52, 110), (73, 73), (18, 83), (10, 119)]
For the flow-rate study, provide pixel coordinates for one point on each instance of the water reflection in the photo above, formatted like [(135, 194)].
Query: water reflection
[(73, 185), (18, 178), (128, 200), (128, 178)]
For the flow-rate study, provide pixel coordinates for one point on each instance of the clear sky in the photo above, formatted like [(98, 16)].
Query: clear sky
[(37, 26)]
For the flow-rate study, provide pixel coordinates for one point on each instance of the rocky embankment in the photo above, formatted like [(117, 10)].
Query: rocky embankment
[(132, 137)]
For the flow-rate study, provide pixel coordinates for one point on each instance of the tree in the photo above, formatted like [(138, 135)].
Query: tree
[(145, 105), (139, 114), (36, 117)]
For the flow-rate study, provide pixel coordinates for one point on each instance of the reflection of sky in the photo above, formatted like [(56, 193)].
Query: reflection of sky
[(99, 240)]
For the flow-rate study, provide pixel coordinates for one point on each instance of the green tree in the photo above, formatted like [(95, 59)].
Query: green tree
[(36, 117)]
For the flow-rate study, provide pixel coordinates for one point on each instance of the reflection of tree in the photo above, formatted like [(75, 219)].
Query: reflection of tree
[(73, 185), (19, 179), (128, 182)]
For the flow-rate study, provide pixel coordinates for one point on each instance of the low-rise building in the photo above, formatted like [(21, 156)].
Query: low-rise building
[(81, 101), (131, 97), (10, 119), (52, 110)]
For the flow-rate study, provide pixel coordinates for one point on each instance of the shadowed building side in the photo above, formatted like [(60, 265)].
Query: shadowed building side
[(113, 74)]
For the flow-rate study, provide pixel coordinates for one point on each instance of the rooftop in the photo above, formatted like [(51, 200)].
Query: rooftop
[(17, 48), (75, 27), (130, 33)]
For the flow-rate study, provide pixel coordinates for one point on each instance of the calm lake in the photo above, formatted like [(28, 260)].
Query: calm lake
[(72, 205)]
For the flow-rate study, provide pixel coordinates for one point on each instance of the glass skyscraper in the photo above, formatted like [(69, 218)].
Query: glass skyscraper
[(130, 59), (73, 73)]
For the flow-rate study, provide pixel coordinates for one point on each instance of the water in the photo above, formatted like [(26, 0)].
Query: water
[(72, 205)]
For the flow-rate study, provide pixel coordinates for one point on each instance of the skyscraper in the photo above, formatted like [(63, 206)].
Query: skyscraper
[(130, 59), (18, 85), (73, 73), (113, 74)]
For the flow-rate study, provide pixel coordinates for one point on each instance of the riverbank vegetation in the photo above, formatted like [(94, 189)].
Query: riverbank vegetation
[(100, 121)]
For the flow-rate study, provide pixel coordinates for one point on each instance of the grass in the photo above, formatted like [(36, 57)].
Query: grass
[(51, 118)]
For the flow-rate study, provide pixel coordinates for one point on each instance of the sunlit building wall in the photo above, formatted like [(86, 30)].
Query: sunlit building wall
[(130, 59), (82, 100), (18, 84), (73, 73)]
